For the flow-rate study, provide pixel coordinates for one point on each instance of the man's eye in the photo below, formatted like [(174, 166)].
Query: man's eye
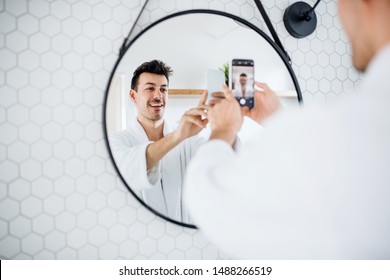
[(164, 90), (149, 89)]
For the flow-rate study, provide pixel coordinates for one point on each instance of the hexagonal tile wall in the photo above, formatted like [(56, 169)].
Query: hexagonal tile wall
[(60, 197)]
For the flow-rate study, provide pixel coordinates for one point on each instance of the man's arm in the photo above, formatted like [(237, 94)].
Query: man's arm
[(256, 203), (259, 203), (130, 159), (191, 123), (158, 149)]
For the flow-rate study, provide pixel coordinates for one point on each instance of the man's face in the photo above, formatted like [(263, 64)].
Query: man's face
[(353, 16), (243, 80), (150, 96)]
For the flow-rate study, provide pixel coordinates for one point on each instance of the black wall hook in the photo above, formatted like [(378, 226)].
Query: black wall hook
[(300, 19)]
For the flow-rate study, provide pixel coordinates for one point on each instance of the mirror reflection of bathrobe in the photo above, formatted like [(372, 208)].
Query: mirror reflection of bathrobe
[(237, 91), (161, 186)]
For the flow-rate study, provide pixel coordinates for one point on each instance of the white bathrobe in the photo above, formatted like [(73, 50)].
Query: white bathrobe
[(317, 185), (161, 187)]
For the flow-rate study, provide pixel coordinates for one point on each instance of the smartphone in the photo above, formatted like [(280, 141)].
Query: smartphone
[(215, 79), (242, 82)]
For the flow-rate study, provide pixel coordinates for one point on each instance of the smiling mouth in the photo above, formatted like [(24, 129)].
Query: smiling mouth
[(156, 105)]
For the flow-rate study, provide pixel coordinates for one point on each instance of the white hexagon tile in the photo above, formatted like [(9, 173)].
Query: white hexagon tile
[(60, 197)]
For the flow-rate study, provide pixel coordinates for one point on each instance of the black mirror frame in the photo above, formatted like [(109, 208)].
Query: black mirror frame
[(281, 53)]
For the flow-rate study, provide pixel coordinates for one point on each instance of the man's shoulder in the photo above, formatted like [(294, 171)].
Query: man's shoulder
[(120, 135), (131, 133)]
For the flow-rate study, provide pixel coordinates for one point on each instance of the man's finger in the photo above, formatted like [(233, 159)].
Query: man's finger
[(212, 102), (204, 107), (203, 99), (245, 111), (218, 94), (262, 86), (196, 112), (194, 120), (228, 94)]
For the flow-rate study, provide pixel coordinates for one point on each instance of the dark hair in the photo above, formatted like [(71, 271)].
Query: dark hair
[(243, 75), (155, 67)]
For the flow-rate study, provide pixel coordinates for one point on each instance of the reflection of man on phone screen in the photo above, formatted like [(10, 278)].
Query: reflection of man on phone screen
[(243, 89)]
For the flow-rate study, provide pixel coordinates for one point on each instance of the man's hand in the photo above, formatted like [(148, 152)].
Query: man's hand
[(193, 120), (225, 117), (266, 103)]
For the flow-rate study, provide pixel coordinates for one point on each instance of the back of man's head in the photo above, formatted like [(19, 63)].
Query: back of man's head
[(155, 67), (367, 24)]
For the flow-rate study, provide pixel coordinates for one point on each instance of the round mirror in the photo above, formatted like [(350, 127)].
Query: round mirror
[(193, 45)]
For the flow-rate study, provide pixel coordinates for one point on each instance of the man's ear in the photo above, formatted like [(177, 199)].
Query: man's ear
[(133, 95)]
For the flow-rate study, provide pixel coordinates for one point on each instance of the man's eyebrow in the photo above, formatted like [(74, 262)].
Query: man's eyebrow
[(153, 84)]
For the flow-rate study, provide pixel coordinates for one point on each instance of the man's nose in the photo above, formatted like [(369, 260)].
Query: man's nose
[(157, 94)]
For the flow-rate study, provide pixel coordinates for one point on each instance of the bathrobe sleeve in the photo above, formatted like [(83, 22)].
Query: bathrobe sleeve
[(131, 162), (307, 190)]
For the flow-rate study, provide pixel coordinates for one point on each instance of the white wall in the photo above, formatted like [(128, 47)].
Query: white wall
[(59, 195), (192, 44)]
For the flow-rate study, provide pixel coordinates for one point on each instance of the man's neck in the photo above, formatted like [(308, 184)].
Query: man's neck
[(154, 129), (380, 26)]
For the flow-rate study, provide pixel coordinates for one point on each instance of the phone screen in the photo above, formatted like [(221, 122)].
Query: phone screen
[(215, 79), (242, 81)]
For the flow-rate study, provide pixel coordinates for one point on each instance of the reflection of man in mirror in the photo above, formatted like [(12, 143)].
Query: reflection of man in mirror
[(151, 155), (243, 89)]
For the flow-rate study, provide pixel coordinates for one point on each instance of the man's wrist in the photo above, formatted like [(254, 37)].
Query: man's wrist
[(176, 137), (224, 135)]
